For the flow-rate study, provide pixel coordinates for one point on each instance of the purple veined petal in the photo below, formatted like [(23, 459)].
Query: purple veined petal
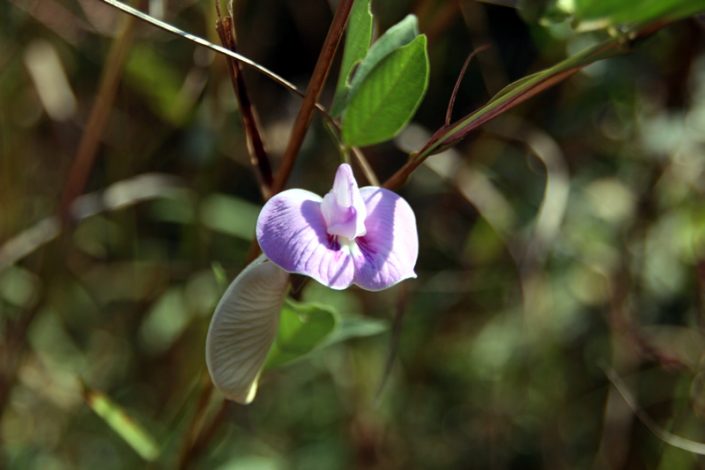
[(343, 209), (243, 329), (292, 233), (387, 254)]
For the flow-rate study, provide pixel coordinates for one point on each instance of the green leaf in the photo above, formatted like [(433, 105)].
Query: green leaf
[(395, 37), (302, 327), (357, 43), (126, 427), (356, 327), (597, 14), (388, 97)]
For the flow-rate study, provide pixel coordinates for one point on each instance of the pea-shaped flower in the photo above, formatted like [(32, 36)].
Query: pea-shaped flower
[(364, 236)]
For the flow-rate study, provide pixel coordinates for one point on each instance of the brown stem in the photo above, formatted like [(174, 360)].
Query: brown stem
[(318, 78), (303, 119), (255, 144), (205, 436), (365, 166), (193, 428), (433, 145), (98, 119), (449, 135), (461, 75)]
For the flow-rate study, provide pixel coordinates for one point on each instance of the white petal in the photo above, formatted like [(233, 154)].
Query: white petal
[(243, 329)]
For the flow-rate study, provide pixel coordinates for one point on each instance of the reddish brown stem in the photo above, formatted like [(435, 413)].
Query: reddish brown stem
[(449, 135), (318, 78), (461, 75), (205, 436), (400, 177), (255, 143)]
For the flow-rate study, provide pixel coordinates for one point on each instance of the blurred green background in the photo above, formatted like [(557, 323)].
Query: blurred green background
[(562, 241)]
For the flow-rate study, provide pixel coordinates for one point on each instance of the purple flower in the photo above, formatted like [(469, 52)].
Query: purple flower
[(364, 236)]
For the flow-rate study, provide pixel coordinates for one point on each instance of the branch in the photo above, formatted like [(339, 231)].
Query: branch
[(255, 144), (515, 94), (318, 78)]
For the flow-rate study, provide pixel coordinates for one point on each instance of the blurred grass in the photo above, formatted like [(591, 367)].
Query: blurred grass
[(502, 348)]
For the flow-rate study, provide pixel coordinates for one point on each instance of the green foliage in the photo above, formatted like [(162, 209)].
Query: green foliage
[(395, 37), (301, 328), (304, 327), (380, 96), (358, 36), (387, 98)]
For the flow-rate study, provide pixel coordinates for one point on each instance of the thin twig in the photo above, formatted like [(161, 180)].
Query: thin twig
[(453, 96), (449, 135), (434, 145), (365, 166), (333, 129), (193, 428), (666, 436), (255, 143), (315, 86), (205, 436), (98, 119)]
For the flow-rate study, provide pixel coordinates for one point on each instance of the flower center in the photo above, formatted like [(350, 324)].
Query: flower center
[(343, 209)]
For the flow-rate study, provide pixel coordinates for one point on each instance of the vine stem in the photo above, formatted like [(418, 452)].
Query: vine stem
[(303, 119), (315, 86), (515, 94), (259, 159)]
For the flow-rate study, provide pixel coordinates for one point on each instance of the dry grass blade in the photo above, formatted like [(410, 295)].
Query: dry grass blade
[(202, 42)]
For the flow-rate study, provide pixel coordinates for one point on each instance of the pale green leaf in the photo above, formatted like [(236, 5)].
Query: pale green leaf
[(357, 42), (388, 97), (302, 327), (355, 326)]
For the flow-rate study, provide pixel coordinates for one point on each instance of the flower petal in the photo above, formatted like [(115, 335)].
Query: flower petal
[(343, 208), (387, 254), (243, 329), (292, 233)]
